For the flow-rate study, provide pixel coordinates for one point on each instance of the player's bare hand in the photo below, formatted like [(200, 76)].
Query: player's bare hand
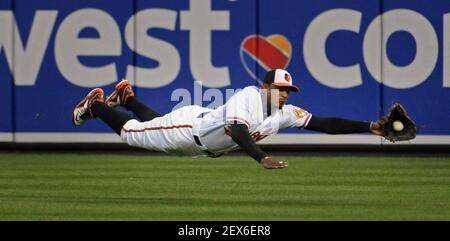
[(376, 128), (270, 163)]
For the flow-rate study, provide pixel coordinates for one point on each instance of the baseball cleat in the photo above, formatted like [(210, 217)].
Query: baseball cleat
[(120, 95), (82, 111)]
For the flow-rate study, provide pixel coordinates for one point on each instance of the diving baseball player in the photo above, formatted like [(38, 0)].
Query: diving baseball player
[(247, 117)]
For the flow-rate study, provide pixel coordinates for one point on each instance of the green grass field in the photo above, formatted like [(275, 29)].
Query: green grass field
[(121, 187)]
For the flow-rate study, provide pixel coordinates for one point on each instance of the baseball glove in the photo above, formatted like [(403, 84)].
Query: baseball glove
[(397, 113)]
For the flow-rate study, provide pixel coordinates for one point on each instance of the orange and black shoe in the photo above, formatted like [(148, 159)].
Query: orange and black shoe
[(120, 95), (82, 111)]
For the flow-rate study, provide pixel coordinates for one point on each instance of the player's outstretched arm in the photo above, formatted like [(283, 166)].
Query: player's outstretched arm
[(241, 135), (342, 126)]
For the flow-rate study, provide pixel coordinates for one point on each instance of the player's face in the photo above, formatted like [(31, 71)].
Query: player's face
[(283, 94), (277, 95)]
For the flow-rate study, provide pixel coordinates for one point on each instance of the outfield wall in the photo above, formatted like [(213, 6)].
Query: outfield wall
[(351, 59)]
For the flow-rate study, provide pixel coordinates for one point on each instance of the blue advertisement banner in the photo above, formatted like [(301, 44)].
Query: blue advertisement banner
[(6, 87), (327, 59), (416, 72), (350, 58)]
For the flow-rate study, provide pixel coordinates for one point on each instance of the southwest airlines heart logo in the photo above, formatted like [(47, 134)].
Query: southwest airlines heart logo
[(260, 54)]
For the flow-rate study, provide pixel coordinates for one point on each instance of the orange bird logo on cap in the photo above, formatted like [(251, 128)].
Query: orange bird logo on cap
[(287, 77)]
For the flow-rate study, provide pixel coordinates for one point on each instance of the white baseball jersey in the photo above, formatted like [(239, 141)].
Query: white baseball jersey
[(246, 107), (175, 131)]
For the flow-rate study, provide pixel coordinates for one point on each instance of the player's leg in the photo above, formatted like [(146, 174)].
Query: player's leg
[(124, 96), (92, 106), (113, 118), (143, 112)]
